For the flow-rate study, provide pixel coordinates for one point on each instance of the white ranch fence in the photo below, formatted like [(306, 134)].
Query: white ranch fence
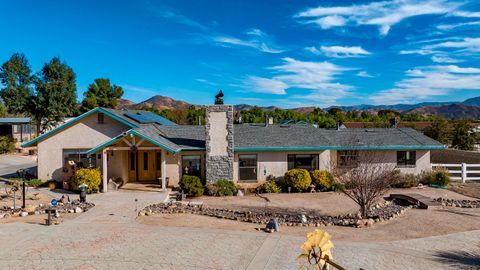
[(462, 171)]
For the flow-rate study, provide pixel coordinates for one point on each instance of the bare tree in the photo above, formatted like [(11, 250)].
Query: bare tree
[(365, 176)]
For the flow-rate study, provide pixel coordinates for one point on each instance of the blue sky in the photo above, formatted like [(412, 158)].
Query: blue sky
[(283, 53)]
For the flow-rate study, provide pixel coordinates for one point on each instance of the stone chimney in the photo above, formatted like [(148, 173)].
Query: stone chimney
[(219, 143)]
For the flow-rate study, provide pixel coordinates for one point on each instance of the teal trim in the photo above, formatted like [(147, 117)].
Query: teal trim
[(155, 142), (109, 142), (105, 144), (71, 122), (386, 147)]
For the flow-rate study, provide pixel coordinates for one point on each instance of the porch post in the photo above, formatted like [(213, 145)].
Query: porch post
[(104, 170), (164, 170)]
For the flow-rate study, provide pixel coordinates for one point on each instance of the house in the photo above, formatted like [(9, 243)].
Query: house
[(141, 146), (19, 128)]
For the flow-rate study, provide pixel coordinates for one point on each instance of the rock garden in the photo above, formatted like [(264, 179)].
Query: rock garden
[(303, 199), (284, 216), (37, 202)]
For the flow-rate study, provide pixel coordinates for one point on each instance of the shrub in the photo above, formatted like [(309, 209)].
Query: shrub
[(226, 187), (406, 181), (192, 185), (269, 186), (440, 178), (322, 180), (15, 182), (90, 177), (298, 179), (34, 182), (223, 187), (7, 144)]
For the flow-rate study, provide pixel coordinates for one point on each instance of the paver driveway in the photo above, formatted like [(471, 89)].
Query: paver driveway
[(107, 237)]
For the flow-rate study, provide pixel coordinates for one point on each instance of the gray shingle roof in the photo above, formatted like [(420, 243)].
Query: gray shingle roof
[(277, 137), (15, 120)]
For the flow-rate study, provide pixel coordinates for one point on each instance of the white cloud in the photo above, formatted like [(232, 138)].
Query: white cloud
[(329, 21), (259, 40), (421, 52), (318, 77), (343, 52), (383, 14), (313, 50), (364, 74), (431, 81), (265, 85), (456, 25), (444, 59), (467, 14), (467, 44)]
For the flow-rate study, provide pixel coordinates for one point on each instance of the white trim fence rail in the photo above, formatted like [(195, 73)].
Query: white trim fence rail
[(461, 171)]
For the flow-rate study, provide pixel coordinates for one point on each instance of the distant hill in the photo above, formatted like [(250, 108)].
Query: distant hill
[(452, 111), (472, 101), (469, 108), (161, 103), (124, 103)]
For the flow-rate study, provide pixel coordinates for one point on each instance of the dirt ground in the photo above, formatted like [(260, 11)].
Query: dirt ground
[(415, 223), (471, 189), (326, 203), (33, 197)]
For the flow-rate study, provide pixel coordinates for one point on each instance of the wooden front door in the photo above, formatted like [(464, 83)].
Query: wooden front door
[(146, 165)]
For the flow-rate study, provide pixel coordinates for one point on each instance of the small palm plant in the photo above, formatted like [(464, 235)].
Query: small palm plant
[(317, 250)]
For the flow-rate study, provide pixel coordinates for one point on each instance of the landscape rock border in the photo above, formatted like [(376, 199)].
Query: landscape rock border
[(285, 217), (458, 203), (69, 207)]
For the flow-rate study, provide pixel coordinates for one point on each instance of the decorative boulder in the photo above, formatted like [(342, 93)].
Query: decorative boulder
[(272, 225)]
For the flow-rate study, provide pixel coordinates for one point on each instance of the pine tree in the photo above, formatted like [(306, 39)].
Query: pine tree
[(463, 137), (438, 130), (101, 94), (55, 94), (15, 75)]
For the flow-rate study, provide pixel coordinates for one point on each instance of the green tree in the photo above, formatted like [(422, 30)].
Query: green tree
[(463, 138), (54, 96), (15, 75), (194, 114), (101, 94), (3, 110), (438, 130)]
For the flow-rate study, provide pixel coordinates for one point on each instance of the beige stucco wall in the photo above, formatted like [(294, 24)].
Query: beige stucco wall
[(117, 165), (390, 157), (275, 163), (85, 134)]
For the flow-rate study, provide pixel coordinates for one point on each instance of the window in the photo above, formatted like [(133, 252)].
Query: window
[(101, 118), (132, 161), (307, 162), (145, 161), (406, 159), (348, 159), (191, 165), (158, 161), (247, 167), (80, 158)]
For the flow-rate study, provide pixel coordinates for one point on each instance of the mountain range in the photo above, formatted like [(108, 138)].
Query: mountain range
[(469, 108)]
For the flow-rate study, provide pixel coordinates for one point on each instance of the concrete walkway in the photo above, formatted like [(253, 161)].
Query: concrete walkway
[(107, 237)]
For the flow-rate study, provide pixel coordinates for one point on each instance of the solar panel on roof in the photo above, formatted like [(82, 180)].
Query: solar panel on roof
[(145, 118)]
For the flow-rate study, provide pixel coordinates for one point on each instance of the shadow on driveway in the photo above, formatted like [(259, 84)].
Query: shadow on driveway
[(460, 259)]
